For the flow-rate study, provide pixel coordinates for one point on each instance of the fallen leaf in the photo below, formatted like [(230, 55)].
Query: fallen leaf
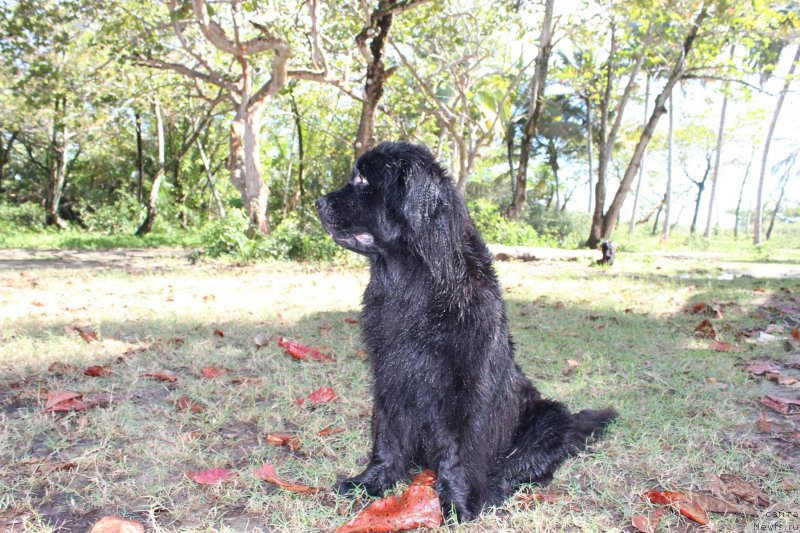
[(219, 333), (185, 403), (302, 353), (245, 380), (572, 366), (680, 502), (722, 346), (647, 524), (37, 304), (268, 473), (284, 439), (705, 329), (97, 371), (763, 424), (261, 340), (49, 468), (782, 405), (116, 524), (58, 367), (324, 432), (417, 507), (211, 372), (209, 298), (712, 504), (726, 484), (780, 379), (163, 375), (351, 320), (63, 401), (704, 309), (321, 395), (210, 477), (796, 334), (757, 368)]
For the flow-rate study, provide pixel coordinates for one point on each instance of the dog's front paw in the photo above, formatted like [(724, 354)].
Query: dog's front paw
[(352, 485)]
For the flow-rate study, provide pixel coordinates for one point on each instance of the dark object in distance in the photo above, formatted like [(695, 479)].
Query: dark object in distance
[(447, 393), (609, 250)]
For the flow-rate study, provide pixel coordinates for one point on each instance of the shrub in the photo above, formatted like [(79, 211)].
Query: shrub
[(24, 216), (495, 228), (123, 216)]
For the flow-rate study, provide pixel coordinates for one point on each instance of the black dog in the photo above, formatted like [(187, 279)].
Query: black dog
[(609, 251), (447, 393)]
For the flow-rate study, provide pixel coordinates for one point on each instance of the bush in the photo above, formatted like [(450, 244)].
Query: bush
[(495, 228), (24, 216), (121, 217)]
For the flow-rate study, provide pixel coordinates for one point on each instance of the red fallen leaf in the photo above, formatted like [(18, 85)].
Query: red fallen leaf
[(763, 424), (211, 372), (760, 367), (219, 333), (417, 507), (97, 371), (163, 375), (782, 405), (116, 524), (796, 334), (324, 432), (283, 439), (705, 329), (351, 320), (37, 304), (210, 477), (722, 346), (86, 333), (647, 524), (184, 403), (302, 353), (702, 308), (63, 401), (321, 395), (680, 502), (267, 472)]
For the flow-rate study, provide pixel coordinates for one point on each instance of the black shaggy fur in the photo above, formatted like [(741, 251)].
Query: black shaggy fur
[(447, 392)]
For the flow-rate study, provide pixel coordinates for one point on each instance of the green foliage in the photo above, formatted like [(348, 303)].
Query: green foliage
[(122, 216), (20, 217), (495, 228)]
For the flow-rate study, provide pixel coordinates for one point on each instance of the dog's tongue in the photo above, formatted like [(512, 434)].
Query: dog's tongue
[(364, 238)]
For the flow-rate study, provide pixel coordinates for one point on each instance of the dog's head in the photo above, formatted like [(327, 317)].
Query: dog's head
[(398, 200)]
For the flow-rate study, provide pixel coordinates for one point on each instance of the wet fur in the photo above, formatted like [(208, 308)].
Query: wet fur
[(447, 394)]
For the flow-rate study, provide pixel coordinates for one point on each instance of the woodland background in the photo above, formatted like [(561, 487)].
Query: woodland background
[(218, 123)]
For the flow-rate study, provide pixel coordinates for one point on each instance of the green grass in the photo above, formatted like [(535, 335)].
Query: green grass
[(83, 240), (624, 325)]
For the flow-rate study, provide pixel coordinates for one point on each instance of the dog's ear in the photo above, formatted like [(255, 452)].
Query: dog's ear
[(433, 213)]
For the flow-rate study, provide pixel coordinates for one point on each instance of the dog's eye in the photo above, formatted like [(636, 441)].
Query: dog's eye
[(359, 180)]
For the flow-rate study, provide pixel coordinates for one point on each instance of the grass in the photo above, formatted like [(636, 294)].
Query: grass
[(83, 240), (687, 413)]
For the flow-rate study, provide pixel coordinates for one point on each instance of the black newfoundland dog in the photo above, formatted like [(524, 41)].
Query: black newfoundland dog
[(447, 392)]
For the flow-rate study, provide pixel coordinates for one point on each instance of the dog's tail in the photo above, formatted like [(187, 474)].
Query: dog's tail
[(589, 425)]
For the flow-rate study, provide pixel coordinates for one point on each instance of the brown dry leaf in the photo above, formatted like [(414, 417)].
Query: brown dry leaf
[(268, 473), (351, 320), (572, 366), (647, 524), (219, 333), (717, 505), (212, 476), (705, 329), (763, 424), (729, 484), (680, 502), (97, 371), (796, 334), (301, 352), (209, 298), (163, 375), (417, 507), (781, 379), (63, 401), (116, 524), (782, 405), (211, 372), (185, 403), (284, 439), (324, 432), (49, 468), (757, 368), (722, 346), (88, 334)]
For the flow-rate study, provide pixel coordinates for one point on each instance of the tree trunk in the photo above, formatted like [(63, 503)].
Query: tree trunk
[(552, 161), (139, 158), (58, 164), (632, 223), (589, 142), (210, 180), (152, 204), (301, 157), (765, 156), (246, 167), (610, 218), (661, 205), (720, 132), (739, 202), (519, 195), (701, 186), (777, 205), (670, 165), (5, 155), (376, 76)]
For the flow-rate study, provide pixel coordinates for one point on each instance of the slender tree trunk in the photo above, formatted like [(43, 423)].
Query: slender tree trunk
[(139, 158), (58, 162), (552, 161), (632, 223), (658, 215), (718, 157), (777, 205), (5, 155), (670, 166), (611, 215), (589, 142), (701, 186), (519, 196), (152, 204), (301, 158), (210, 179), (765, 156), (739, 202)]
